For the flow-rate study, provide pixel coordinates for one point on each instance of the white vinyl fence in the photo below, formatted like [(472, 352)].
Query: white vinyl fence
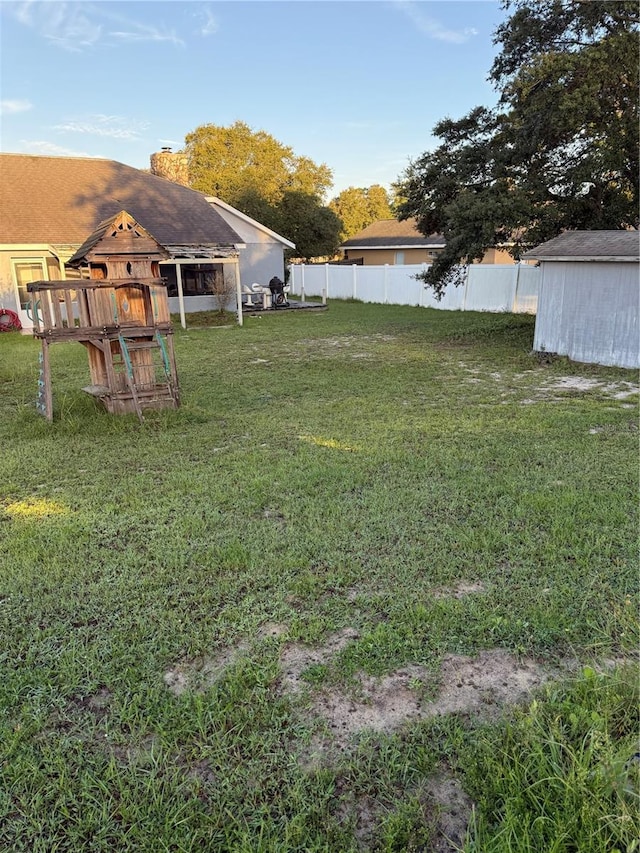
[(509, 288)]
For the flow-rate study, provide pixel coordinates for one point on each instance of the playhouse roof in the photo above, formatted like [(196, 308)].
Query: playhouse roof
[(119, 234)]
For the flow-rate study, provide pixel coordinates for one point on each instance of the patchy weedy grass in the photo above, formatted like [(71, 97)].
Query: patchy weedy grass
[(373, 587), (564, 774)]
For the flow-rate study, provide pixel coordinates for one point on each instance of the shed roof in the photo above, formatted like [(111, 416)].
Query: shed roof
[(589, 246), (393, 234), (59, 200)]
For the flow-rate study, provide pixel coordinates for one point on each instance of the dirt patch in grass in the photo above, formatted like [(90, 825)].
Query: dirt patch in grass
[(361, 813), (198, 674), (446, 813), (460, 590), (454, 810), (542, 389), (482, 686), (346, 346), (616, 390), (381, 704), (96, 703), (295, 659), (272, 629), (560, 387)]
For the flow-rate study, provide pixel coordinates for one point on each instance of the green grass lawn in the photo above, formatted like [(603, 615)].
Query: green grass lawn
[(416, 482)]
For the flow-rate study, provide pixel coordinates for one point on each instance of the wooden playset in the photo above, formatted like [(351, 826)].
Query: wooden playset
[(120, 314)]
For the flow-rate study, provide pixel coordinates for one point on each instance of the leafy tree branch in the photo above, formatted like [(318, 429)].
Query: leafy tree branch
[(560, 150)]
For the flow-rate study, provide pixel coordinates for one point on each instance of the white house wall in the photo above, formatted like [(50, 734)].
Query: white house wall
[(589, 312), (8, 293), (259, 262), (8, 297), (193, 304), (9, 255), (263, 255)]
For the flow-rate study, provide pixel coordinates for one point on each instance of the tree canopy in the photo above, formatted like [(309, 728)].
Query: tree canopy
[(236, 163), (358, 207), (314, 229), (263, 178), (560, 149)]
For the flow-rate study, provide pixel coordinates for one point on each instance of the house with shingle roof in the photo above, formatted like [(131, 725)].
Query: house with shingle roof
[(589, 297), (391, 241), (50, 205)]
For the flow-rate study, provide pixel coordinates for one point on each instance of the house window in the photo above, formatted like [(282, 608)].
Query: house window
[(197, 279), (25, 271), (76, 273), (399, 258)]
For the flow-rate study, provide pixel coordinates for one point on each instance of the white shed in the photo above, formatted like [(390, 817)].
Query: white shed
[(589, 297)]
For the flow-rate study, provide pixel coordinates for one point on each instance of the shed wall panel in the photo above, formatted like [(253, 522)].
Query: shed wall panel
[(590, 312)]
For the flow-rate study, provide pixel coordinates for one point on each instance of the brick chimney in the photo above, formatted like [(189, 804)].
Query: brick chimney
[(174, 167)]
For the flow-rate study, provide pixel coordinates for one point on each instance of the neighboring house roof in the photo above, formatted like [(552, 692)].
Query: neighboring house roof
[(226, 208), (393, 234), (60, 200), (589, 246)]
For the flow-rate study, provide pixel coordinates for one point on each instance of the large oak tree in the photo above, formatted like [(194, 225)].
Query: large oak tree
[(559, 151), (237, 162), (263, 178)]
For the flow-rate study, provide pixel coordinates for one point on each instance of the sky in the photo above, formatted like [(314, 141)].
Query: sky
[(357, 85)]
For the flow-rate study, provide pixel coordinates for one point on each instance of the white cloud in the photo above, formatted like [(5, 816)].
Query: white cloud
[(22, 13), (78, 26), (115, 127), (210, 24), (142, 32), (8, 107), (66, 24), (431, 27), (50, 148)]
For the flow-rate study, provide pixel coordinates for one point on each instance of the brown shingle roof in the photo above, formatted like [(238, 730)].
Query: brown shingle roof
[(61, 200), (392, 233), (589, 245)]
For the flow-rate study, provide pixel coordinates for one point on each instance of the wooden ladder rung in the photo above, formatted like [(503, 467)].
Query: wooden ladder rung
[(142, 345)]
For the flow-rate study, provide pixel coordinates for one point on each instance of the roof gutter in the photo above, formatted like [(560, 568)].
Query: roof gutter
[(396, 246), (583, 258)]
